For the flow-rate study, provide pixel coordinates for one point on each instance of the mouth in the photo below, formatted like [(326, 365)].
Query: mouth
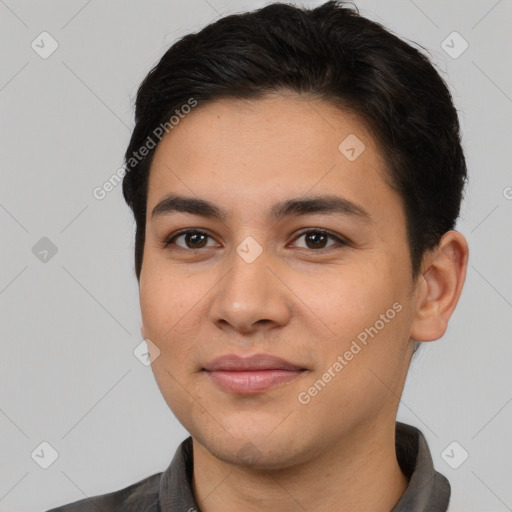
[(251, 375)]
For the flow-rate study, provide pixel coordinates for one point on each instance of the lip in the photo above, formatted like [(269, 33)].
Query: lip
[(251, 375)]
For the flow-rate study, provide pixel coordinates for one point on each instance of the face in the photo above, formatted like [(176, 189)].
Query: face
[(282, 318)]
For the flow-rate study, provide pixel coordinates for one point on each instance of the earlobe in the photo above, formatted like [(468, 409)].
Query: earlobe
[(441, 287), (142, 332)]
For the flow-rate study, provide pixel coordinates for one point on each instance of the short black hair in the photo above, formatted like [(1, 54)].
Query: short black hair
[(332, 53)]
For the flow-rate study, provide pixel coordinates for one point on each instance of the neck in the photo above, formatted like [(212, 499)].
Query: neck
[(360, 473)]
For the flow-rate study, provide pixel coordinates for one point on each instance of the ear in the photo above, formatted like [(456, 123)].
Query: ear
[(142, 332), (439, 286)]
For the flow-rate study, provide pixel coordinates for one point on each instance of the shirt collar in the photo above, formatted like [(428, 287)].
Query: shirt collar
[(428, 490)]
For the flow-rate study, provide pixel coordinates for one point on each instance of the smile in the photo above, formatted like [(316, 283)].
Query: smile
[(251, 375)]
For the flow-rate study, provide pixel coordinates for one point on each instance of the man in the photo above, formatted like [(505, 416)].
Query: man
[(295, 177)]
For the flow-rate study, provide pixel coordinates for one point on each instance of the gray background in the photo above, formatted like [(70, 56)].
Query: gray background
[(69, 324)]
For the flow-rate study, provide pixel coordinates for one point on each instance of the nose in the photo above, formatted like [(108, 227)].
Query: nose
[(251, 297)]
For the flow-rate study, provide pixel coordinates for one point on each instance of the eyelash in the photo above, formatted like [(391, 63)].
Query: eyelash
[(169, 241)]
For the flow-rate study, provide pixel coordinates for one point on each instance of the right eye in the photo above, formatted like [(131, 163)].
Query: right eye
[(193, 239)]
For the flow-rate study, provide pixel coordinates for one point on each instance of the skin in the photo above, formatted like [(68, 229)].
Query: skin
[(296, 301)]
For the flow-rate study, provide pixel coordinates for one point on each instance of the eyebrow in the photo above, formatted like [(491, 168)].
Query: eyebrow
[(324, 204)]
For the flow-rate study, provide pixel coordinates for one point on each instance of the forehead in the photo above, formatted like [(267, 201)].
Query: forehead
[(249, 153)]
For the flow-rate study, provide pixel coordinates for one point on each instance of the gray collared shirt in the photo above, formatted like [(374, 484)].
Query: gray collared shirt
[(171, 491)]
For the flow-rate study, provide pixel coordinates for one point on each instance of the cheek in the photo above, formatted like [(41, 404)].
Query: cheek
[(366, 311), (172, 308), (351, 299), (165, 298)]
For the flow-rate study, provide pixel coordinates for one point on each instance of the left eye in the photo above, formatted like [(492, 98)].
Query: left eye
[(316, 238)]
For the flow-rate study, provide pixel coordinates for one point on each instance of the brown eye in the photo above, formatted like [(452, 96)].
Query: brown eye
[(317, 238), (192, 239)]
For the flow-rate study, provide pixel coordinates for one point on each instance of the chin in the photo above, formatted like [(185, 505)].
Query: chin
[(253, 444), (253, 454)]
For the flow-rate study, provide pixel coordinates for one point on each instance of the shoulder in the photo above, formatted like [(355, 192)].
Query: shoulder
[(141, 497)]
